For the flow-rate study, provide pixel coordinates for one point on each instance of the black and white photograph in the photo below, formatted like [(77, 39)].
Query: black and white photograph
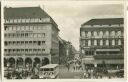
[(63, 40)]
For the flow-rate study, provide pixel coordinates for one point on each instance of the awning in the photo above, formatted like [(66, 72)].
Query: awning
[(119, 61), (107, 49)]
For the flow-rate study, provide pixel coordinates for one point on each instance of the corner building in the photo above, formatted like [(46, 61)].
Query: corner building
[(30, 37), (102, 41)]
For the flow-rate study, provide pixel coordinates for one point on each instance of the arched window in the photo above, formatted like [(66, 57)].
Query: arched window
[(101, 34), (89, 42), (107, 42), (113, 33), (119, 42), (95, 34), (95, 42), (83, 43), (119, 33), (83, 34), (107, 33), (101, 42), (89, 34), (113, 42)]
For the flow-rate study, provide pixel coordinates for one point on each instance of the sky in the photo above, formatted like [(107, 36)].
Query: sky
[(70, 15)]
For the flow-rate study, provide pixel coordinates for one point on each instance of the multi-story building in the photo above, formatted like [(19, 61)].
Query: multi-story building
[(66, 51), (30, 37), (102, 41)]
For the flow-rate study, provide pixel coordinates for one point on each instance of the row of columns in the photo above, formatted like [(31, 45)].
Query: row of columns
[(25, 61)]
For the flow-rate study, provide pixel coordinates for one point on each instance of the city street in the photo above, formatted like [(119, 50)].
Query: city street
[(65, 74), (78, 74)]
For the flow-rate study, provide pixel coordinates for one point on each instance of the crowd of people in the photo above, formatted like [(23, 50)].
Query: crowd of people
[(92, 72), (23, 73)]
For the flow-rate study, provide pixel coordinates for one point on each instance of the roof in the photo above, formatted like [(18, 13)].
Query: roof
[(49, 66), (24, 12), (104, 21)]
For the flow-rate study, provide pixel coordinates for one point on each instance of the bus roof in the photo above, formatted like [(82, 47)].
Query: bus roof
[(49, 66)]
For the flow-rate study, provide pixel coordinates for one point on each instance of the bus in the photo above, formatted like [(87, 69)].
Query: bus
[(49, 71)]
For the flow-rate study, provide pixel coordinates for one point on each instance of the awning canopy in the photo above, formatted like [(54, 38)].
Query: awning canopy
[(119, 61), (107, 49)]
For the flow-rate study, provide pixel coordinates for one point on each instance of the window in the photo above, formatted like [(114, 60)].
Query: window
[(30, 42), (107, 42), (43, 42), (5, 50), (39, 27), (18, 27), (39, 35), (101, 42), (5, 43), (31, 27), (11, 20), (95, 42), (89, 34), (22, 35), (26, 34), (95, 34), (89, 42), (113, 33), (10, 28), (113, 42), (34, 42), (30, 50), (5, 35), (36, 20), (32, 20), (43, 34), (26, 50), (26, 42), (23, 20), (107, 33), (39, 42), (83, 42), (27, 20), (83, 34), (100, 34), (27, 27), (119, 33), (119, 42), (22, 27), (40, 20), (31, 34), (15, 20), (22, 42), (19, 21), (5, 28), (43, 49), (35, 35)]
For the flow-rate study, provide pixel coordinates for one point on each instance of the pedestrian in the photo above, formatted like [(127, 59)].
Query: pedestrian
[(68, 66)]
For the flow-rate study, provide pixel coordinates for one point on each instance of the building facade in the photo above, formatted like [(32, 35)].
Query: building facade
[(30, 37), (102, 40), (66, 51)]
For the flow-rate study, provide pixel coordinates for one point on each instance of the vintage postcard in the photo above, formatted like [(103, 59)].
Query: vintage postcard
[(63, 40)]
